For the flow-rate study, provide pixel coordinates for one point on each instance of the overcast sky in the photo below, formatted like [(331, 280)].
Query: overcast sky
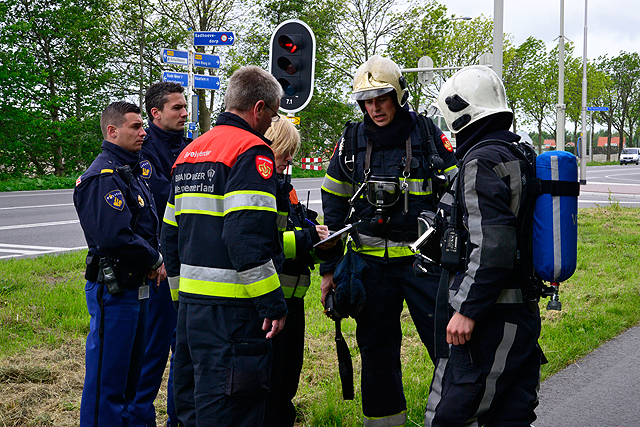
[(612, 25)]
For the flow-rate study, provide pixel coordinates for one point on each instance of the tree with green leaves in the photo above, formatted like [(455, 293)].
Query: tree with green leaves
[(54, 54)]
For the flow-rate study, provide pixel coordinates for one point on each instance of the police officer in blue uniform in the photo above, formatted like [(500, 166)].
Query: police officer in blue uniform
[(167, 112), (119, 219)]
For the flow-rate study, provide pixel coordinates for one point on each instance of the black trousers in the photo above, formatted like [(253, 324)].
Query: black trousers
[(288, 353), (379, 333), (492, 380), (221, 366)]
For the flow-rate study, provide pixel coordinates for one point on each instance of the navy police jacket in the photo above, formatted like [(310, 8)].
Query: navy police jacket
[(219, 236), (119, 219), (159, 152), (390, 243)]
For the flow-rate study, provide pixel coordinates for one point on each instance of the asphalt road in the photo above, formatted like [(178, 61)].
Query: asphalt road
[(601, 390), (39, 222)]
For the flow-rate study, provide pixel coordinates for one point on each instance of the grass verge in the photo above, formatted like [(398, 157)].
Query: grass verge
[(43, 322)]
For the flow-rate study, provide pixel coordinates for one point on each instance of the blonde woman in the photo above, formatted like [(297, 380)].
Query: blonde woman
[(299, 233)]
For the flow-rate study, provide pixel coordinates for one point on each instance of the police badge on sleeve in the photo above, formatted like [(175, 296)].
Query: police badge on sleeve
[(115, 199)]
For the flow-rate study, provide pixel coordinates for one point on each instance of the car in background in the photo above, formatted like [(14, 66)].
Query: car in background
[(630, 155)]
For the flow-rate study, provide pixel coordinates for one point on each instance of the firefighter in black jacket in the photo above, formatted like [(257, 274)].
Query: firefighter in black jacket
[(167, 112), (222, 248), (390, 152), (492, 374), (118, 216), (300, 232)]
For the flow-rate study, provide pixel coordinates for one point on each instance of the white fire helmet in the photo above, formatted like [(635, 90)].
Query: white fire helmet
[(378, 76), (469, 95)]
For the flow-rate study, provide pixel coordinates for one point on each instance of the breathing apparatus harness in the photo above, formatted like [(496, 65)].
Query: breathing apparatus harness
[(452, 248)]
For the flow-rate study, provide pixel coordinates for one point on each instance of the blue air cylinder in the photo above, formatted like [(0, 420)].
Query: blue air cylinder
[(555, 217)]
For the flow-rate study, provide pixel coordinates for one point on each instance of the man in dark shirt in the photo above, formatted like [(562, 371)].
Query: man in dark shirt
[(167, 112)]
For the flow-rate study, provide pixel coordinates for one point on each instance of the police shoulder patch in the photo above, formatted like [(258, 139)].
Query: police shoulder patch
[(145, 165), (446, 142), (264, 165), (115, 199)]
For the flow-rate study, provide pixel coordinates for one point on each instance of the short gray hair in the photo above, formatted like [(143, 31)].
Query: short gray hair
[(249, 85)]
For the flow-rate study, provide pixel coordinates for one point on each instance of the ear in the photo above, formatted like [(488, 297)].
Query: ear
[(112, 131), (259, 109), (155, 113)]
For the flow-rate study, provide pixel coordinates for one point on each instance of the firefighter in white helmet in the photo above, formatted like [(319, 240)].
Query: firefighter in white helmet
[(492, 374)]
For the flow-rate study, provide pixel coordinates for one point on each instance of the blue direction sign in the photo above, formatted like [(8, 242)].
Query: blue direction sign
[(193, 126), (205, 60), (172, 56), (597, 108), (206, 82), (217, 38), (181, 78)]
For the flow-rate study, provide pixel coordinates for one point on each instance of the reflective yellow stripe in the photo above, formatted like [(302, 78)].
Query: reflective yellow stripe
[(289, 243), (295, 286), (415, 187), (375, 246), (338, 188), (170, 215), (106, 171), (395, 420), (229, 283)]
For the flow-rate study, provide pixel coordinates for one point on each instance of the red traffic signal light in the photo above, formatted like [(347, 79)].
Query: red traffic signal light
[(292, 63)]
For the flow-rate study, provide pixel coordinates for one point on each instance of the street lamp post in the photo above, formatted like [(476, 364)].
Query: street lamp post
[(498, 12), (583, 145), (561, 106)]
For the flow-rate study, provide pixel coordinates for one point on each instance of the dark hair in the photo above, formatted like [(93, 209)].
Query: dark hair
[(114, 114), (157, 94)]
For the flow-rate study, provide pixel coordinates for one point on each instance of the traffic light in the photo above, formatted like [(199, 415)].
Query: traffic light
[(292, 62)]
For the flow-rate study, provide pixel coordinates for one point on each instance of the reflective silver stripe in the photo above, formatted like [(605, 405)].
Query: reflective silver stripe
[(281, 221), (170, 214), (435, 394), (557, 240), (390, 421), (475, 233), (249, 200), (336, 187), (379, 242), (415, 186), (451, 172), (294, 286), (209, 274), (510, 296), (512, 170), (508, 338), (288, 281), (258, 273), (199, 202), (174, 282)]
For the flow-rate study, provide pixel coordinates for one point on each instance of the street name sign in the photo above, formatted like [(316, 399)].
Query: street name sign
[(206, 60), (597, 108), (172, 56), (213, 38), (171, 76), (206, 82)]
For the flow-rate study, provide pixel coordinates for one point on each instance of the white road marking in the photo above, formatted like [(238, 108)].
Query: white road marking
[(36, 206), (39, 224)]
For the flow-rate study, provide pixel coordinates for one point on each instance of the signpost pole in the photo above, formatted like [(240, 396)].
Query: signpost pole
[(583, 147)]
